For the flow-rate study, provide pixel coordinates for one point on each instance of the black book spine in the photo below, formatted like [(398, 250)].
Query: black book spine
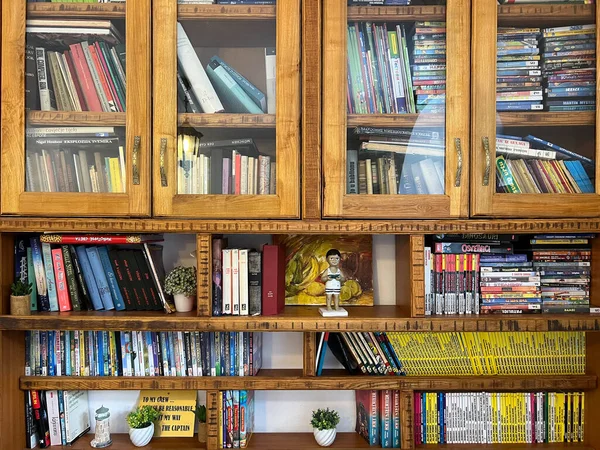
[(146, 281), (30, 431), (128, 262), (80, 280), (188, 353), (255, 283), (71, 280), (189, 101), (204, 348), (124, 286), (31, 81), (227, 342), (158, 367)]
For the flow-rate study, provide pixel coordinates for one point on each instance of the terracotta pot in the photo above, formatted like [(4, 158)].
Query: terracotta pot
[(202, 432), (141, 436), (324, 437), (184, 302), (20, 305)]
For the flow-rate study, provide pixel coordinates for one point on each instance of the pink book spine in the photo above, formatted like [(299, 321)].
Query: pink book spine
[(85, 79), (103, 81), (238, 173), (226, 175), (62, 290), (109, 80)]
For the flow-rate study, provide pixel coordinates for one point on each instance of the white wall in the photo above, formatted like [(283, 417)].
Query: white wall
[(275, 411)]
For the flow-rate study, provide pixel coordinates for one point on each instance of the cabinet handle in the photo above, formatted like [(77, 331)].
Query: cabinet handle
[(458, 146), (488, 161), (137, 140), (163, 170)]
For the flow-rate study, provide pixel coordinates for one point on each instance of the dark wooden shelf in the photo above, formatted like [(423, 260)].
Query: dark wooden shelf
[(85, 118), (292, 379), (299, 318), (546, 119), (76, 10), (547, 15), (226, 12), (122, 442), (219, 120), (396, 13), (396, 120)]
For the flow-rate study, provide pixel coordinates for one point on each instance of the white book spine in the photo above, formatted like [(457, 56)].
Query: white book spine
[(271, 71), (244, 179), (106, 107), (227, 281), (235, 282), (53, 417), (264, 163), (243, 276), (206, 175)]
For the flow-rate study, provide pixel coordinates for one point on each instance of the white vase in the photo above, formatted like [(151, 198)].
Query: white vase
[(324, 437), (141, 436), (184, 302)]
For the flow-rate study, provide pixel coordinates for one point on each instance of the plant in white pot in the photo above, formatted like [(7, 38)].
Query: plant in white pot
[(324, 422), (181, 284), (141, 425)]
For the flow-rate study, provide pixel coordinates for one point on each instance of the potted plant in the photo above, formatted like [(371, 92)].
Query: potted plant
[(141, 425), (20, 298), (181, 283), (324, 422), (201, 416)]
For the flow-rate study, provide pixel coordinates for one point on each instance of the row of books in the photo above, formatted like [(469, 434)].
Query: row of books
[(219, 87), (235, 418), (378, 417), (510, 2), (477, 353), (232, 166), (142, 353), (498, 417), (74, 65), (66, 276), (228, 2), (55, 417), (86, 159)]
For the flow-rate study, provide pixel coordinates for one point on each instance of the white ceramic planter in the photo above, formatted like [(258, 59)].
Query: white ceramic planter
[(184, 303), (324, 437), (141, 436)]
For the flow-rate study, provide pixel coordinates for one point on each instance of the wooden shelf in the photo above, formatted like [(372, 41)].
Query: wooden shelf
[(292, 379), (226, 12), (396, 13), (76, 10), (85, 118), (122, 442), (546, 119), (304, 441), (299, 318), (396, 120), (553, 446), (547, 15), (227, 120)]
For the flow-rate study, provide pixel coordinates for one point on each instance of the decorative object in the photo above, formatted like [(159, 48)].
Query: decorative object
[(306, 261), (141, 425), (324, 422), (20, 298), (181, 283), (102, 434), (201, 416), (333, 277)]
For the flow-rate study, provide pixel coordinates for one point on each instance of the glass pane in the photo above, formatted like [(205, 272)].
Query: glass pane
[(546, 102), (75, 101), (396, 68), (226, 99)]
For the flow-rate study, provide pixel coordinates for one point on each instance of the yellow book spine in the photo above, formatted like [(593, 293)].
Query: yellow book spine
[(220, 419), (576, 411), (113, 172), (582, 415), (82, 357), (493, 420)]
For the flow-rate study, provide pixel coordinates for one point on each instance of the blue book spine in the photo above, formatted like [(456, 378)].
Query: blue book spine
[(61, 415), (253, 92), (101, 350), (221, 351), (517, 257), (232, 353), (165, 353), (424, 412), (124, 350), (31, 280), (115, 291), (559, 149), (586, 185), (213, 370), (50, 280), (171, 352), (396, 420), (51, 354), (322, 355), (101, 281), (68, 371), (88, 276)]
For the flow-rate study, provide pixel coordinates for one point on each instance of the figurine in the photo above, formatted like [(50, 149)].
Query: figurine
[(102, 436), (333, 277)]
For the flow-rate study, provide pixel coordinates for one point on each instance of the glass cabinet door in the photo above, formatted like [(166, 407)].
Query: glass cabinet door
[(227, 108), (396, 99), (76, 108), (534, 116)]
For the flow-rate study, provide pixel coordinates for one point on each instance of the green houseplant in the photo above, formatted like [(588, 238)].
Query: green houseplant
[(201, 417), (20, 298), (324, 422), (181, 284), (141, 425)]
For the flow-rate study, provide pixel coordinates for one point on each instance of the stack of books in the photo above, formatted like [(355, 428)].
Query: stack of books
[(75, 159), (534, 166), (429, 66), (569, 68), (142, 353), (378, 417), (518, 74), (498, 418), (229, 166), (235, 418), (74, 65), (564, 264), (509, 2)]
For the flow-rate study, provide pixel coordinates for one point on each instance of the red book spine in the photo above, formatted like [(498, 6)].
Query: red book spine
[(85, 79), (273, 294), (102, 77), (88, 239), (238, 174), (62, 289), (109, 79), (71, 64)]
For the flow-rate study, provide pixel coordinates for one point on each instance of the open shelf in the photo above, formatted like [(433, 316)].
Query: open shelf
[(79, 118), (396, 120), (547, 15), (122, 442), (300, 318), (304, 441), (549, 446), (546, 119), (226, 120), (396, 13), (226, 12), (334, 379), (73, 10)]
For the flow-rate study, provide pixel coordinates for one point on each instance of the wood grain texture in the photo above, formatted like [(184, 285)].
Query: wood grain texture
[(12, 421), (549, 15), (62, 204), (304, 441), (299, 318), (417, 275), (212, 419), (77, 118), (406, 419), (311, 110), (309, 354), (73, 10), (546, 119), (224, 120), (397, 13), (122, 442), (553, 446), (204, 273), (403, 271), (226, 12), (395, 120)]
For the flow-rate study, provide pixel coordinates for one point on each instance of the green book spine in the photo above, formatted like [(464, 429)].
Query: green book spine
[(234, 97), (507, 177), (31, 279)]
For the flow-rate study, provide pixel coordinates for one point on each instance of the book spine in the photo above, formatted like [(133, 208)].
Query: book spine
[(62, 289), (243, 282), (50, 279), (46, 94), (254, 283), (111, 279), (271, 71), (100, 277), (97, 83), (88, 276)]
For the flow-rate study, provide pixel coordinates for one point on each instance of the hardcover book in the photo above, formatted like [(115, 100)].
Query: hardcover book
[(367, 415)]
